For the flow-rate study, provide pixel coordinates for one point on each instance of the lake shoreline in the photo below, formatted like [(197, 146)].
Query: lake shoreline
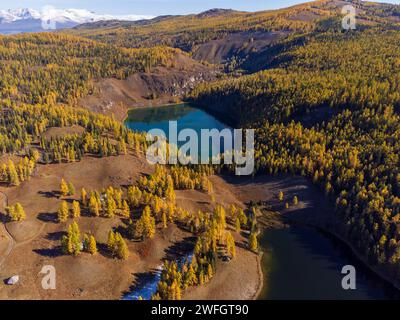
[(326, 233), (314, 211), (361, 258), (261, 282), (324, 222)]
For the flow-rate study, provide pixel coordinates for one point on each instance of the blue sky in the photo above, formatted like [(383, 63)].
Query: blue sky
[(153, 7)]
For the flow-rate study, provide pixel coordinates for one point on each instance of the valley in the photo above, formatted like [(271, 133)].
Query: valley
[(77, 191), (291, 233)]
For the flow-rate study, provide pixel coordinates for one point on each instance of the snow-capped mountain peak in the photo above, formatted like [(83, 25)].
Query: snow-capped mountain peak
[(8, 16), (28, 20)]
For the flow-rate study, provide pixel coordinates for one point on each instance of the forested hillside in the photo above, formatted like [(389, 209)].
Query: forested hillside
[(327, 108), (48, 68), (310, 74)]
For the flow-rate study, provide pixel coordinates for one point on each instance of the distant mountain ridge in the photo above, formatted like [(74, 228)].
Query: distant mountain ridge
[(30, 20), (230, 37)]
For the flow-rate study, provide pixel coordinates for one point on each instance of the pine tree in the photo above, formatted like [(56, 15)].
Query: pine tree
[(201, 278), (76, 209), (92, 248), (63, 188), (111, 208), (84, 197), (230, 245), (253, 242), (171, 212), (287, 205), (16, 212), (242, 217), (118, 198), (210, 272), (156, 297), (178, 293), (94, 207), (190, 278), (125, 212), (12, 174), (295, 200), (111, 242), (122, 147), (148, 223), (280, 196), (156, 205), (170, 193), (71, 189), (66, 244), (20, 212), (237, 225), (63, 212), (35, 155), (71, 243), (76, 238), (328, 188), (220, 218), (121, 247), (232, 211), (134, 196)]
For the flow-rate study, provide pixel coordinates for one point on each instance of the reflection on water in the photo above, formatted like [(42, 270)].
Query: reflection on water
[(151, 115), (302, 263)]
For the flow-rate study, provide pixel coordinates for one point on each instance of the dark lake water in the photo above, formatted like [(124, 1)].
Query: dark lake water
[(298, 262), (303, 263)]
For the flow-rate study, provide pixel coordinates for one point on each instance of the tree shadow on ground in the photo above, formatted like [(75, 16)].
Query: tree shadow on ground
[(121, 230), (50, 252), (103, 250), (242, 244), (55, 236), (180, 249), (48, 217), (4, 218), (50, 194)]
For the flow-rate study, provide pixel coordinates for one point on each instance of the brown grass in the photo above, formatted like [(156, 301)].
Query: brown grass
[(37, 239)]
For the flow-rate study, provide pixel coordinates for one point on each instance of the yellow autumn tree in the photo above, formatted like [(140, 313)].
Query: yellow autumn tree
[(76, 209), (63, 188), (63, 211)]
